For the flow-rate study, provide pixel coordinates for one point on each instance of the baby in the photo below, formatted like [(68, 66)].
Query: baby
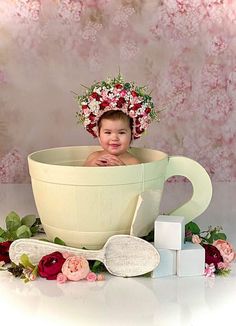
[(115, 135)]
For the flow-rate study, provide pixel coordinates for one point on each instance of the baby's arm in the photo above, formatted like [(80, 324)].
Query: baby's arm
[(92, 159), (98, 159), (113, 160)]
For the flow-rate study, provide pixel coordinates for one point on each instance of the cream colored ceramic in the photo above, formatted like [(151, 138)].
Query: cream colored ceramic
[(84, 206)]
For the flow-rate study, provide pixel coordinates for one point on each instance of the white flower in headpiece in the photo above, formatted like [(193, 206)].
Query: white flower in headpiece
[(94, 105)]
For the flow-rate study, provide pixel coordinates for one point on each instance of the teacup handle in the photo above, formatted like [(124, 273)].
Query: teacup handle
[(201, 183)]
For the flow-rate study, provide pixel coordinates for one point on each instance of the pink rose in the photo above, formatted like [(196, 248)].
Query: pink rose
[(91, 277), (226, 250), (196, 238), (123, 92), (75, 268), (61, 278)]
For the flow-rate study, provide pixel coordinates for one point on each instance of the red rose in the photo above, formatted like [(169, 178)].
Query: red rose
[(96, 96), (84, 107), (212, 255), (104, 104), (92, 117), (137, 122), (120, 102), (147, 110), (119, 86), (50, 265), (4, 251), (136, 106), (134, 94), (139, 130)]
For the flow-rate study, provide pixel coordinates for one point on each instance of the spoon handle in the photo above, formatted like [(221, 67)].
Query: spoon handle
[(36, 249)]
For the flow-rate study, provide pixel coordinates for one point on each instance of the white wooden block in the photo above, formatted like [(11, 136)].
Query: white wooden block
[(167, 265), (191, 260), (169, 232)]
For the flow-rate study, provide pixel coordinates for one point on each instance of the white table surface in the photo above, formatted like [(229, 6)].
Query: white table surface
[(120, 301), (173, 300)]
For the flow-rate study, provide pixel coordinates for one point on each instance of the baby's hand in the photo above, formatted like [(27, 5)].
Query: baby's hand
[(101, 162), (109, 160)]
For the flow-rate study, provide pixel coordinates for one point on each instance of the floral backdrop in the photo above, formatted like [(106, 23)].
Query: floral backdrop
[(183, 50)]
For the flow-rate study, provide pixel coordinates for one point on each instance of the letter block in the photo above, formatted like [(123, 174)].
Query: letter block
[(169, 232), (167, 265), (191, 260)]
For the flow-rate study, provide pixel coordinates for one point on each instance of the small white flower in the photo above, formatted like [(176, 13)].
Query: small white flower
[(97, 90), (94, 105)]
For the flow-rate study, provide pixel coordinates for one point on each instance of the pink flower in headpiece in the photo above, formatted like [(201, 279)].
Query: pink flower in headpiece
[(123, 92)]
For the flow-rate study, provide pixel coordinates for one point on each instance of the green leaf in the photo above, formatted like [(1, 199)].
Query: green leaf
[(23, 232), (2, 239), (35, 271), (24, 260), (192, 227), (13, 221), (43, 239), (11, 235), (221, 236), (2, 232), (97, 266), (211, 238), (223, 272), (127, 86), (59, 241), (34, 229), (28, 220), (37, 227)]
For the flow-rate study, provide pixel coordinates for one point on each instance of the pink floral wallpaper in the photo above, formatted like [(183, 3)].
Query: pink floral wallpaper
[(184, 50)]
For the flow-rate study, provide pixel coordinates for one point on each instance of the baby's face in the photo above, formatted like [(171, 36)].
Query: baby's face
[(115, 136)]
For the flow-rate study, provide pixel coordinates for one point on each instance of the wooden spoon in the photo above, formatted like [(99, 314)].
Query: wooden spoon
[(122, 255)]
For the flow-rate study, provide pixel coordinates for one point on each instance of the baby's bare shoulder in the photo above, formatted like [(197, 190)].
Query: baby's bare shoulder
[(131, 160)]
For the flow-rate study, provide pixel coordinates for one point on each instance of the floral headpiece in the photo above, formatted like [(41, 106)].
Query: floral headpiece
[(115, 94)]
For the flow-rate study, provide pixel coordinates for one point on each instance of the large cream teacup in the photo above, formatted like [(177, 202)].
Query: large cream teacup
[(84, 206)]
